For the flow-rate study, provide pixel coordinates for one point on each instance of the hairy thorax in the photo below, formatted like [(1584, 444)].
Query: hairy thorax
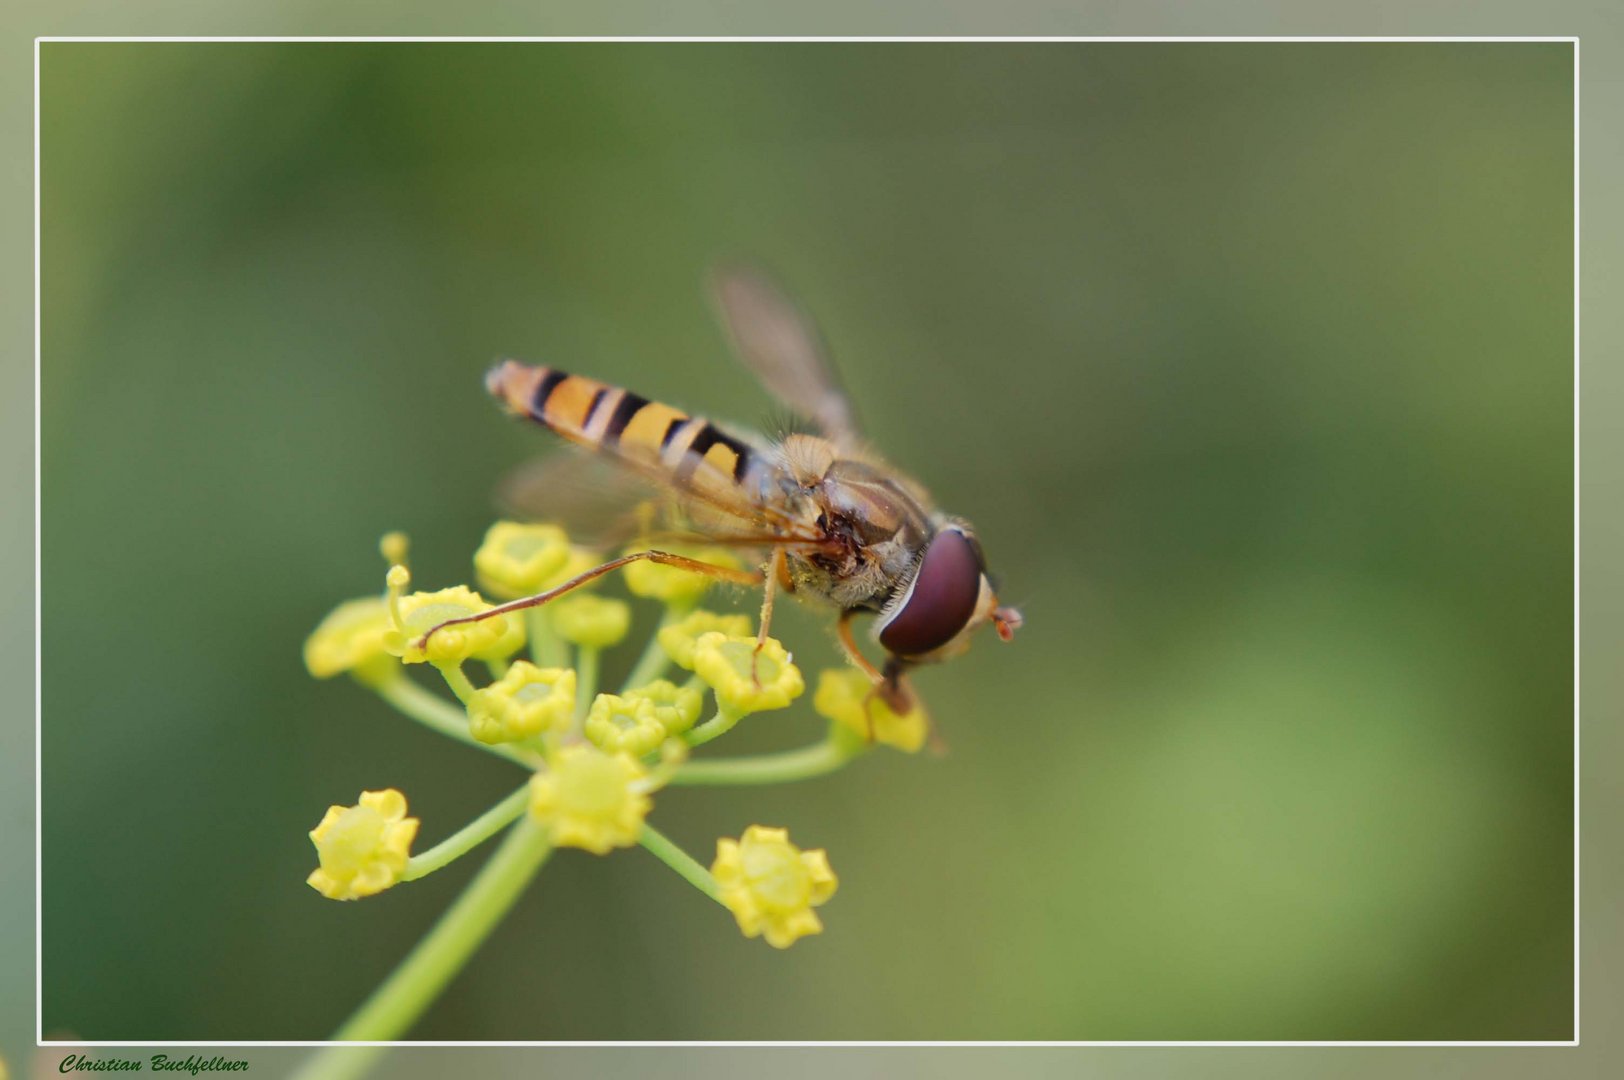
[(876, 530)]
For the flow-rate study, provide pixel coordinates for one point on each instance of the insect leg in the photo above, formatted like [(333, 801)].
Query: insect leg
[(775, 573), (848, 645), (890, 685), (772, 574), (664, 558)]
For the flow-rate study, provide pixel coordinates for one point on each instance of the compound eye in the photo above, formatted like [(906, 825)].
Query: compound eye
[(941, 600)]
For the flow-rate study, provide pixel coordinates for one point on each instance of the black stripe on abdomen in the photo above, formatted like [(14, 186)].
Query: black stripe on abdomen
[(708, 436), (544, 390), (629, 405)]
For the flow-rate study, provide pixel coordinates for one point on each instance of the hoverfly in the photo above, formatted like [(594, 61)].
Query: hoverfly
[(833, 521)]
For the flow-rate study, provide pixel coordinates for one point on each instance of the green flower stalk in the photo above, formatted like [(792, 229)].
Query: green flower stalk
[(592, 762)]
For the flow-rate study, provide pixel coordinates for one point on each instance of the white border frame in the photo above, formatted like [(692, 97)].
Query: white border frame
[(39, 1004)]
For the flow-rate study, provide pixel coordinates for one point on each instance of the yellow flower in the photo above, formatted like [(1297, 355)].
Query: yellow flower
[(364, 848), (678, 638), (672, 584), (592, 622), (744, 680), (623, 725), (521, 560), (847, 697), (526, 701), (675, 707), (415, 615), (639, 720), (771, 886), (350, 639), (590, 799)]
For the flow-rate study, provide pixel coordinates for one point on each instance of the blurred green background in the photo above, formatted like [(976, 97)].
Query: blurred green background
[(1251, 364)]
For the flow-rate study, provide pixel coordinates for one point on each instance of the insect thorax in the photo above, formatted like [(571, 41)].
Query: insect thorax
[(876, 530)]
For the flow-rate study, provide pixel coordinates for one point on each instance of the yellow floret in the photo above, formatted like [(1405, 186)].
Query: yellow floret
[(771, 886), (350, 639), (745, 680), (847, 697), (590, 799), (679, 638), (672, 584), (526, 701), (363, 848), (675, 707), (521, 560), (415, 615), (592, 622)]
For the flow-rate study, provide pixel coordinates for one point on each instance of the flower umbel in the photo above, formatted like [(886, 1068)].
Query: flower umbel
[(594, 761), (590, 799), (363, 848), (771, 886)]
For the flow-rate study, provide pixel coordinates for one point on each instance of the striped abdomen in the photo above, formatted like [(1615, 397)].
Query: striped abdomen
[(690, 450)]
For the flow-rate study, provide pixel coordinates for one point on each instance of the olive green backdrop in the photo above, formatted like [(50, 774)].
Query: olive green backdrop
[(1251, 363)]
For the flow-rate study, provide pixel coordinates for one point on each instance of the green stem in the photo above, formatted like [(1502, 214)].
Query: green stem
[(586, 681), (809, 761), (720, 724), (470, 836), (412, 986), (459, 682), (437, 713), (653, 663), (680, 861), (547, 649)]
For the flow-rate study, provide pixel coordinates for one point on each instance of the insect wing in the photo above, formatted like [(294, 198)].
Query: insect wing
[(776, 340), (597, 499), (605, 503)]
